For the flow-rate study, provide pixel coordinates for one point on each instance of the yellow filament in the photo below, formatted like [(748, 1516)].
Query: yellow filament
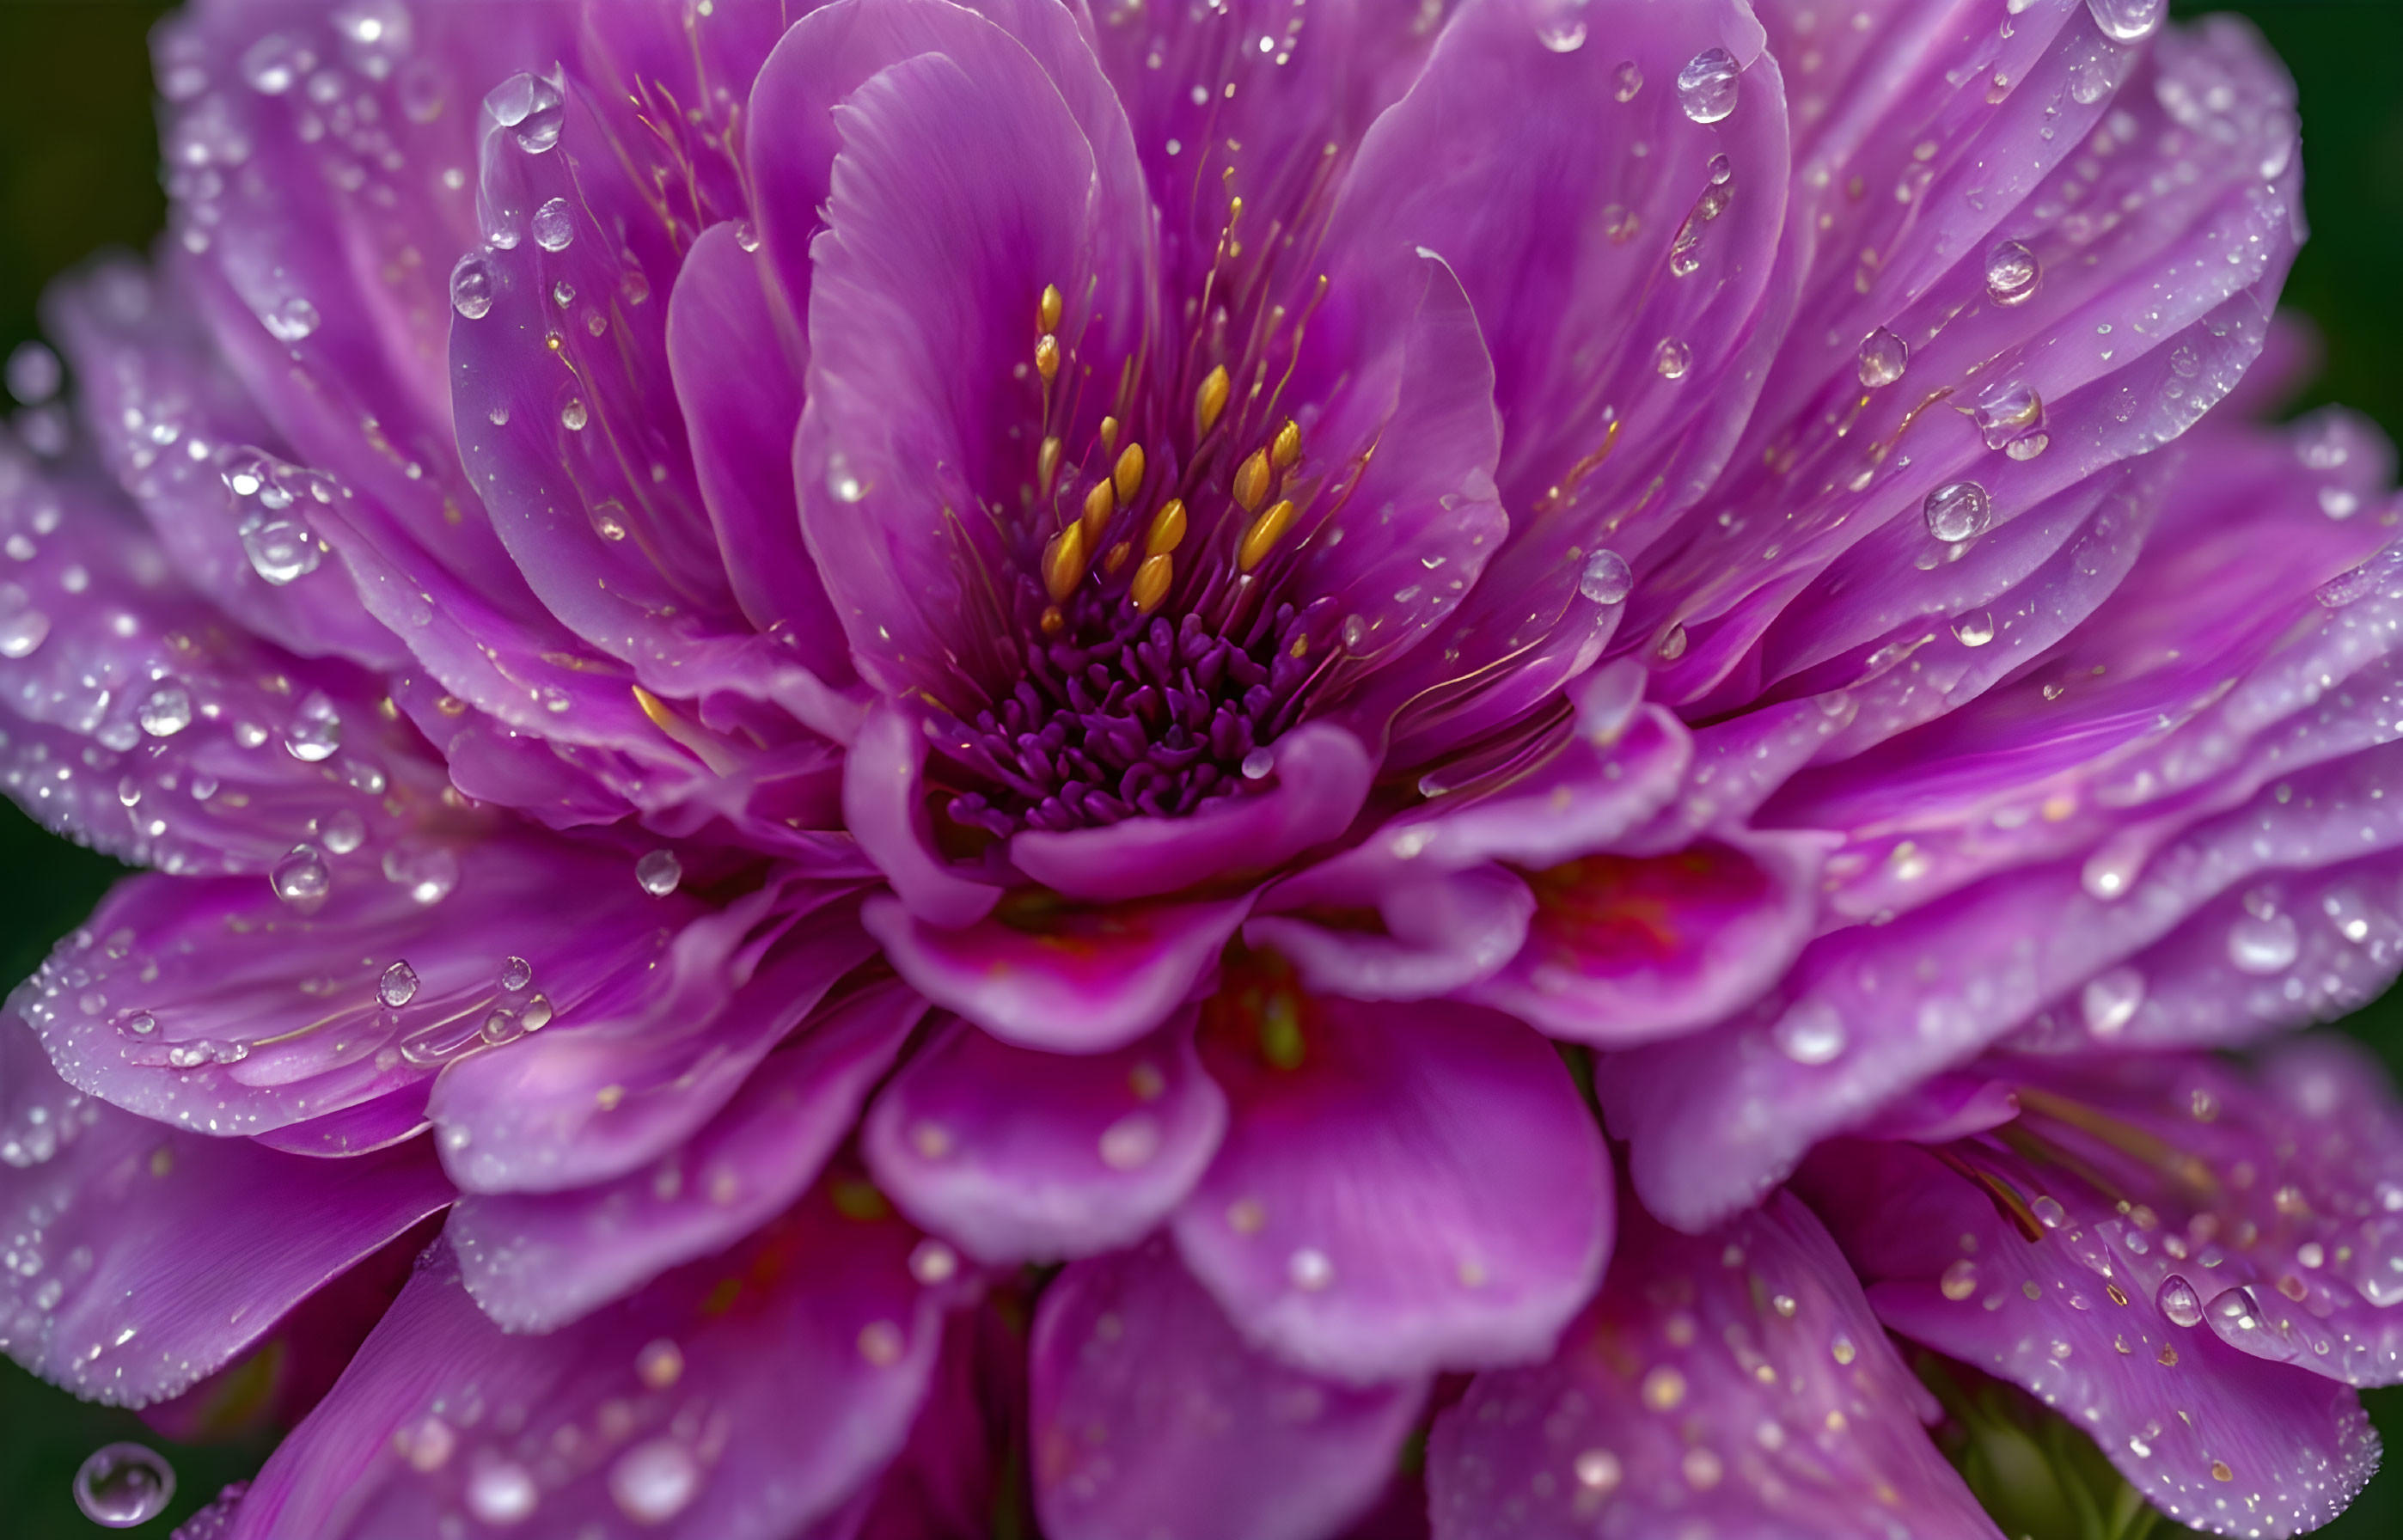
[(1263, 534), (1151, 581), (1167, 529), (1252, 482), (1064, 563)]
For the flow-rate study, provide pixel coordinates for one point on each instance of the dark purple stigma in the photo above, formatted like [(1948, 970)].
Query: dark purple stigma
[(1127, 714)]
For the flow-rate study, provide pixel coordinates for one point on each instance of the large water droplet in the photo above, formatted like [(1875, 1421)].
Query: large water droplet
[(301, 878), (281, 550), (317, 730), (1958, 510), (1673, 359), (1975, 631), (2179, 1302), (2008, 411), (2263, 943), (122, 1485), (1810, 1033), (1883, 357), (516, 974), (2129, 21), (655, 1481), (532, 108), (471, 286), (2109, 1000), (21, 631), (1606, 578), (572, 416), (1706, 87), (2237, 1316), (845, 486), (398, 985), (1562, 28), (1626, 80), (166, 711), (554, 226), (2011, 273), (290, 321), (659, 871)]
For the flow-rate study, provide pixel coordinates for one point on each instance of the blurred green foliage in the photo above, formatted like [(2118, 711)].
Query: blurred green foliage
[(78, 170)]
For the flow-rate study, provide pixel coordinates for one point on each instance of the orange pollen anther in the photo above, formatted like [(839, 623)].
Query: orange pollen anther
[(1287, 447), (1263, 534), (1128, 474), (1210, 400), (1252, 482), (1151, 581), (1064, 563), (1167, 529)]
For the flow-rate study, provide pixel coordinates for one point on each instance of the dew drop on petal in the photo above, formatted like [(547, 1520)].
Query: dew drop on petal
[(1958, 510), (2263, 944), (1310, 1269), (1673, 359), (471, 286), (932, 1262), (1975, 631), (655, 1481), (1627, 81), (532, 108), (270, 65), (2129, 21), (659, 871), (1883, 357), (1597, 1470), (554, 226), (746, 235), (1606, 578), (2179, 1302), (1706, 87), (398, 985), (166, 711), (844, 486), (2011, 273), (300, 879), (1132, 1141), (1960, 1280), (502, 1493), (516, 974), (1562, 28), (315, 730), (122, 1485), (1810, 1034), (22, 632), (2008, 411), (572, 416), (2110, 1000), (281, 550)]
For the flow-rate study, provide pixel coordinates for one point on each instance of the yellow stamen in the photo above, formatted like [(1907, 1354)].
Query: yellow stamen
[(1109, 436), (1252, 482), (1167, 529), (1263, 534), (1048, 313), (1151, 581), (1115, 562), (1054, 621), (1210, 400), (1288, 445), (1100, 504), (1129, 475), (1046, 357), (1064, 563)]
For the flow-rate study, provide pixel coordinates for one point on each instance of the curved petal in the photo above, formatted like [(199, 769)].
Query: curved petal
[(884, 807), (1402, 1187), (2212, 1435), (1735, 1380), (1061, 979), (1018, 1156), (535, 1261), (140, 1257), (739, 1398), (1426, 934), (1153, 1416), (1321, 778)]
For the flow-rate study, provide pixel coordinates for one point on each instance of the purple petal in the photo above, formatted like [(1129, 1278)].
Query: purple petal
[(140, 1257), (1434, 932), (651, 1057), (2214, 1437), (1016, 1155), (213, 1005), (1059, 978), (536, 1261), (1402, 1187), (884, 807), (1322, 775), (1734, 1381), (1152, 1416), (739, 1398)]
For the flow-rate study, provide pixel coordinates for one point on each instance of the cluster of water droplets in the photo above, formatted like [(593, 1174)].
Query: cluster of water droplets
[(273, 501)]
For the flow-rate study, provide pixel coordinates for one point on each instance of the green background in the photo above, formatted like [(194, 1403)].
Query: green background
[(79, 170)]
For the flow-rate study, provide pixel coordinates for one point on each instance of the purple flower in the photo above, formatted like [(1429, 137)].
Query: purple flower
[(824, 655)]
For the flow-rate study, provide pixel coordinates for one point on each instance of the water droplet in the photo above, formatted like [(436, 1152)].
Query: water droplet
[(1672, 645), (1721, 169), (746, 235), (532, 108), (841, 483), (2011, 273), (499, 1026), (1975, 631), (572, 416), (659, 871), (1810, 1034), (1673, 359), (429, 875), (502, 1493), (291, 321), (2048, 1211), (122, 1485), (281, 550), (270, 65), (537, 1014), (166, 711), (1310, 1269), (342, 831), (1606, 578), (315, 730), (22, 632), (2263, 944), (554, 226), (140, 1024), (398, 985), (1960, 1280), (2237, 1316), (1597, 1470), (1627, 81), (2128, 21), (1131, 1143), (1564, 30), (1258, 764), (655, 1481), (300, 879), (2109, 1000), (932, 1262), (2006, 412), (516, 974), (471, 286), (1958, 510), (1706, 87), (2179, 1302)]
